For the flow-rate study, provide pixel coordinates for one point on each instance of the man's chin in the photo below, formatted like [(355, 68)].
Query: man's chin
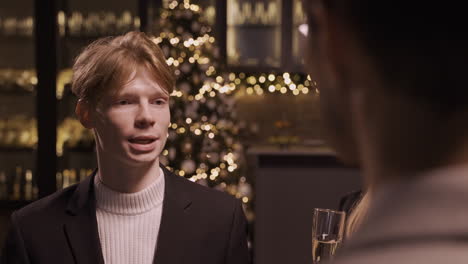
[(142, 159)]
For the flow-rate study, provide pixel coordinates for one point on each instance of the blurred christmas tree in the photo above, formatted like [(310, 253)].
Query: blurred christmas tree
[(203, 143)]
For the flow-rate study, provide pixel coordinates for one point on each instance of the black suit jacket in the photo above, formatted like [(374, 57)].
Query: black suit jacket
[(198, 225)]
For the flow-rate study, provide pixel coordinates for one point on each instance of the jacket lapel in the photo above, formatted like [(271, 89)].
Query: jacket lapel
[(81, 230), (174, 229)]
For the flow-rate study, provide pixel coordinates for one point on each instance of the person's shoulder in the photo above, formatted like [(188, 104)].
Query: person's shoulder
[(408, 252), (48, 207)]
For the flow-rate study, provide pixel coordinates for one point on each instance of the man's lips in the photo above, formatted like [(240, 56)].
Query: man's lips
[(143, 144), (142, 139)]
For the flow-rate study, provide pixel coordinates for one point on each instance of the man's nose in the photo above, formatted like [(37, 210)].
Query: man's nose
[(144, 117)]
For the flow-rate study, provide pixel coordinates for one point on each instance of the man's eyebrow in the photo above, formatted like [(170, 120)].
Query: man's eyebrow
[(156, 92)]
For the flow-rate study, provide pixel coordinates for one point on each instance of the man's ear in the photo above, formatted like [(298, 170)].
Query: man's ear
[(83, 111)]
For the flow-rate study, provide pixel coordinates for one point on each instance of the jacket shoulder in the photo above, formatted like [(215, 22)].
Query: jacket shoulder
[(48, 206), (202, 194)]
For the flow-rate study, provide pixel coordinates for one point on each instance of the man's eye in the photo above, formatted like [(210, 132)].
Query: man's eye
[(160, 102), (123, 102)]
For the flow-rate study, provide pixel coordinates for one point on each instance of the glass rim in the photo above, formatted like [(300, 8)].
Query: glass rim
[(329, 211)]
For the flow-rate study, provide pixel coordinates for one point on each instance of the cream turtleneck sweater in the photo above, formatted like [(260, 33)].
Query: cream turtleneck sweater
[(128, 223)]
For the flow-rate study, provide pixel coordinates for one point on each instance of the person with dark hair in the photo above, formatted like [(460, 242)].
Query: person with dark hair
[(394, 101), (131, 209)]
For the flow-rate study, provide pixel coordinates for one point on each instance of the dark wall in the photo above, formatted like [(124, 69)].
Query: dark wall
[(288, 188)]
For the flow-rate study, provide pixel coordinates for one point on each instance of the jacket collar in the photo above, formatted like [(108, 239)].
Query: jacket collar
[(176, 227), (82, 229)]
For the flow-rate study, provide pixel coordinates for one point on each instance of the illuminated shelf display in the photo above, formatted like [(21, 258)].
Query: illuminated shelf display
[(254, 33), (299, 38)]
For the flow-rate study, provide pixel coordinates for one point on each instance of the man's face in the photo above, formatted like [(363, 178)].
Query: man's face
[(334, 95), (131, 125)]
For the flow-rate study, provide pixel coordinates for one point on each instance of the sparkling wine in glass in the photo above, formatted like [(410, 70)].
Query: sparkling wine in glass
[(327, 233)]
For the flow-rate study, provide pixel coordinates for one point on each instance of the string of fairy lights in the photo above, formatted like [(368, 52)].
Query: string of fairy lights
[(211, 131), (257, 84)]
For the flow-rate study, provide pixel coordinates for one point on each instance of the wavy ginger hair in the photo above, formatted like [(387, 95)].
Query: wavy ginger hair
[(106, 64)]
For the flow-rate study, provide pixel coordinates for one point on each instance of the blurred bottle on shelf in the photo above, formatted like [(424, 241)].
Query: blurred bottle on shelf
[(28, 186), (21, 186), (16, 195), (69, 177), (59, 180), (3, 186), (18, 132), (66, 179)]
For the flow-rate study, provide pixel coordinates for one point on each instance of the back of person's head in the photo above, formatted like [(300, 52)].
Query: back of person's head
[(106, 64), (419, 47), (414, 55)]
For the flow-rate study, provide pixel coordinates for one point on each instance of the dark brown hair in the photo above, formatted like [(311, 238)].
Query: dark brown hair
[(419, 47)]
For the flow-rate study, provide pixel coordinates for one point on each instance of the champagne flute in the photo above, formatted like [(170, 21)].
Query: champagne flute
[(327, 233)]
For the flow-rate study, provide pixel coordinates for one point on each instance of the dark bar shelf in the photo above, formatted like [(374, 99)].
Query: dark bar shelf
[(17, 38), (79, 150), (13, 204), (17, 149), (17, 92)]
